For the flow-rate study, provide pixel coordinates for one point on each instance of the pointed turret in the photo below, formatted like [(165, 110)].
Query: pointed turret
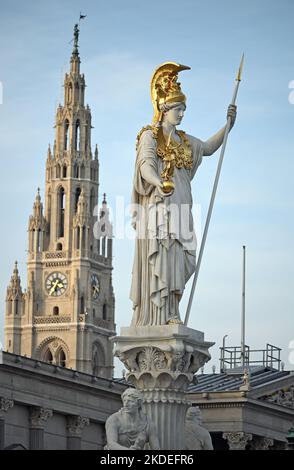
[(104, 231), (14, 291), (14, 310), (37, 226)]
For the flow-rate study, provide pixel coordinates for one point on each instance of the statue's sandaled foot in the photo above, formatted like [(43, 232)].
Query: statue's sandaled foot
[(175, 321)]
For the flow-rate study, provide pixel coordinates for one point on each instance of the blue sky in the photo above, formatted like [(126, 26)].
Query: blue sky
[(120, 45)]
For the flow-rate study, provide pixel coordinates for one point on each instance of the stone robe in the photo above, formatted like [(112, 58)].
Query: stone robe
[(165, 247)]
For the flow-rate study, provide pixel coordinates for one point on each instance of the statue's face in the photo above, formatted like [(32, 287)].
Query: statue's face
[(130, 403), (195, 415), (175, 115)]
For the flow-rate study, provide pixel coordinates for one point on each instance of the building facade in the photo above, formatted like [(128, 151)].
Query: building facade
[(251, 411), (45, 406), (66, 314)]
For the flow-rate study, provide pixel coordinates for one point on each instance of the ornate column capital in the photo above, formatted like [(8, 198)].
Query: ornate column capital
[(76, 424), (237, 440), (5, 404), (39, 416), (261, 443)]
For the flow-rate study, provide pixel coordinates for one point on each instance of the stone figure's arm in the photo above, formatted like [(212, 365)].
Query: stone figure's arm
[(149, 174), (147, 159), (214, 142), (111, 427)]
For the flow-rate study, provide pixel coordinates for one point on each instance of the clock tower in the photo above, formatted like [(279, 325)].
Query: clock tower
[(66, 314)]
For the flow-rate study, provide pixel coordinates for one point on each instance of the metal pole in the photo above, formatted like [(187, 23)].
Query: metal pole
[(223, 354), (227, 129), (243, 311)]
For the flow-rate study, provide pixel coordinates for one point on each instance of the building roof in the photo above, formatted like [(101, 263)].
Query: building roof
[(233, 379)]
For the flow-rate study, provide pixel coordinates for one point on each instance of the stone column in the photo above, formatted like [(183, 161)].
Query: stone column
[(75, 426), (279, 445), (38, 420), (237, 440), (5, 404), (161, 362), (261, 443)]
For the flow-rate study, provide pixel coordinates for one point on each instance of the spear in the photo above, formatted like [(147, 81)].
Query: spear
[(227, 129)]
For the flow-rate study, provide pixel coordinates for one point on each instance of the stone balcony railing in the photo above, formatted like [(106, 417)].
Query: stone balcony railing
[(52, 319)]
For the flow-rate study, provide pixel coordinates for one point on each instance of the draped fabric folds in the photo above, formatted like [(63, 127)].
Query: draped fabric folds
[(165, 247)]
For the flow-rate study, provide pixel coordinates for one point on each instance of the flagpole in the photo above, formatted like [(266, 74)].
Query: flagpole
[(218, 171)]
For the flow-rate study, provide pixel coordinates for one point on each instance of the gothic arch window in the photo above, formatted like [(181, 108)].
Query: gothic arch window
[(61, 209), (55, 310), (92, 201), (49, 202), (98, 359), (82, 304), (39, 240), (66, 134), (104, 312), (77, 91), (9, 307), (82, 174), (69, 96), (86, 136), (83, 237), (77, 195), (59, 247), (75, 171), (57, 171), (48, 357), (16, 306), (77, 135), (60, 358), (33, 240), (78, 238), (64, 171)]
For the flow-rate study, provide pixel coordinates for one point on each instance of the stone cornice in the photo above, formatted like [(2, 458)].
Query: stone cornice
[(23, 366)]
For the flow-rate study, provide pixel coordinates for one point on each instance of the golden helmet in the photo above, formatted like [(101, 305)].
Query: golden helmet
[(165, 88)]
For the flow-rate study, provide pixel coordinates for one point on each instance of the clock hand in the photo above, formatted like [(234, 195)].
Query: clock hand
[(60, 285), (53, 287)]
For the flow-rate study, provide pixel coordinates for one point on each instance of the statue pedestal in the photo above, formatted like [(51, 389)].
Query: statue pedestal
[(161, 362)]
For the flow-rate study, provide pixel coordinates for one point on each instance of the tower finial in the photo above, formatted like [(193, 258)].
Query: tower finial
[(76, 39), (104, 198)]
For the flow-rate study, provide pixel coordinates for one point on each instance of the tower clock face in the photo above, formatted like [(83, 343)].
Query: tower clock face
[(95, 286), (56, 284)]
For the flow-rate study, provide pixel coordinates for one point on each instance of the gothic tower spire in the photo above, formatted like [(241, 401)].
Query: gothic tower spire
[(67, 313)]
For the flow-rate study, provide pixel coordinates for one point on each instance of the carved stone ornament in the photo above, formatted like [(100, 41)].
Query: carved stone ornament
[(76, 424), (261, 443), (237, 440), (5, 404), (283, 397), (39, 416)]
